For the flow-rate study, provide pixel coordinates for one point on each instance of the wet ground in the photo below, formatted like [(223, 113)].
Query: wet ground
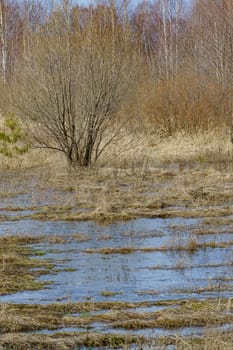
[(142, 260)]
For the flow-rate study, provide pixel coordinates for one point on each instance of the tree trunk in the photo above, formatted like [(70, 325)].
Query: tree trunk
[(3, 40)]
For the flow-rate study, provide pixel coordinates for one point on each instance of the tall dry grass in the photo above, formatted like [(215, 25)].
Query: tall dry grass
[(140, 153)]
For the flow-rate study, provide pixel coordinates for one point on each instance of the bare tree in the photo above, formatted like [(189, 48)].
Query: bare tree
[(74, 82), (3, 42), (171, 32), (212, 48)]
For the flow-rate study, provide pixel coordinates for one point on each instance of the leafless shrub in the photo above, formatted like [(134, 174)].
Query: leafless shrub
[(74, 82)]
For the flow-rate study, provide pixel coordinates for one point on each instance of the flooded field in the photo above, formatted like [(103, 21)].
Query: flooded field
[(148, 280), (139, 260)]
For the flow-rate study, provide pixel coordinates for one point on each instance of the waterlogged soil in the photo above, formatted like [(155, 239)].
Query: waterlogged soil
[(84, 265)]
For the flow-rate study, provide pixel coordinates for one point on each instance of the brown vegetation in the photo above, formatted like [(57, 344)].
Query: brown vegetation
[(16, 264), (177, 314)]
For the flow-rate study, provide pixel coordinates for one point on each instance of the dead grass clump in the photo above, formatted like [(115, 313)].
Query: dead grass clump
[(213, 244), (16, 264), (15, 318), (212, 339), (111, 194), (218, 221), (79, 237), (96, 215), (77, 307), (190, 245), (58, 239), (191, 313), (124, 250), (128, 213), (104, 237), (149, 292), (67, 341), (109, 293), (132, 324), (211, 230), (179, 243)]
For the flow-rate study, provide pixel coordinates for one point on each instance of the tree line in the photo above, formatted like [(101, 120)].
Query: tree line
[(77, 77)]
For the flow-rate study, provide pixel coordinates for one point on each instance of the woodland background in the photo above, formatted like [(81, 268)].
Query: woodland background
[(78, 77)]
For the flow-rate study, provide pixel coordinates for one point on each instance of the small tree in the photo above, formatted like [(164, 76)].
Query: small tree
[(13, 141), (75, 81)]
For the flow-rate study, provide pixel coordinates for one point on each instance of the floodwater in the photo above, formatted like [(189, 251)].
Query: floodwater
[(139, 275)]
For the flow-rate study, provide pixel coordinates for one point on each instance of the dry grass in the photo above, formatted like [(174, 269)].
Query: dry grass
[(109, 293), (15, 319), (109, 250), (138, 152), (34, 158), (189, 245), (106, 217), (180, 176), (104, 197), (228, 221), (177, 314), (79, 237), (16, 264), (202, 148), (211, 340), (64, 341)]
